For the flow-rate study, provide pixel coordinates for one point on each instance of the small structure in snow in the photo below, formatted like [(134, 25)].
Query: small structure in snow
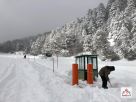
[(82, 61)]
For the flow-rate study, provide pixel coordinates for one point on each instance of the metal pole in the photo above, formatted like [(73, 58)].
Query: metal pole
[(110, 83)]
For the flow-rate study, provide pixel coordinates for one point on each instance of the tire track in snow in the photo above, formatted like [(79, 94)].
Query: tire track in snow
[(6, 74), (66, 78), (45, 80), (29, 87), (8, 83)]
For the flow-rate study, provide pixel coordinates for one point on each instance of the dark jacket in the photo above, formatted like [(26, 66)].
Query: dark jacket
[(105, 71)]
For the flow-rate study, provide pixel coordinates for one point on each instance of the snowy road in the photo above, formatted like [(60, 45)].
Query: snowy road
[(21, 83), (27, 81), (32, 80)]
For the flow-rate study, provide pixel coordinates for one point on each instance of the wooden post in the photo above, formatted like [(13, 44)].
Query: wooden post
[(89, 73), (53, 64), (57, 62), (74, 74)]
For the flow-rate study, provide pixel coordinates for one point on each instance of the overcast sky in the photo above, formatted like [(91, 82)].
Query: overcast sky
[(21, 18)]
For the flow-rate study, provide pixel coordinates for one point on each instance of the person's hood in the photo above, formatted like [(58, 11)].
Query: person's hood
[(111, 68)]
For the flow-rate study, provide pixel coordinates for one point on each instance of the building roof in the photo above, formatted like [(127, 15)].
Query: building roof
[(86, 55)]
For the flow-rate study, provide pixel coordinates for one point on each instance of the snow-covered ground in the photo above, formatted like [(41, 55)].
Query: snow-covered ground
[(33, 80)]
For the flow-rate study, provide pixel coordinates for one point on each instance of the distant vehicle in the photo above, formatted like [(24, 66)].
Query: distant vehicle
[(48, 54), (24, 56)]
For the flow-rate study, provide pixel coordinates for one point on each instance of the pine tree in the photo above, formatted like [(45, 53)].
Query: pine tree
[(87, 44), (37, 45), (130, 7), (100, 40), (101, 15), (122, 42)]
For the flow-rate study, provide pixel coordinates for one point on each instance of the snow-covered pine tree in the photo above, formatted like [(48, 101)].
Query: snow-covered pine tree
[(122, 41), (87, 44), (131, 6), (101, 15), (102, 46), (100, 42), (37, 45)]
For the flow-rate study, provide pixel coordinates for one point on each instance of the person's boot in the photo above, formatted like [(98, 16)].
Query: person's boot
[(105, 87)]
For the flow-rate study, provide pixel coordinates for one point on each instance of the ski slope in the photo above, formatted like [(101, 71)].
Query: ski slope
[(33, 80)]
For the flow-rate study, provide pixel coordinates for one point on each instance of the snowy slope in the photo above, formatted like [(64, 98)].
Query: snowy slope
[(33, 80)]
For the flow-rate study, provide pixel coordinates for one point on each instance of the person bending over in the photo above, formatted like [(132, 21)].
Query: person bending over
[(104, 72)]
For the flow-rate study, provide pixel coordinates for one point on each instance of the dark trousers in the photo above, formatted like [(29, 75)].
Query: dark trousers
[(104, 81)]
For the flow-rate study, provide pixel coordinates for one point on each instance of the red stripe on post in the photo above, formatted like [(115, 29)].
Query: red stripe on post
[(89, 73), (74, 74)]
